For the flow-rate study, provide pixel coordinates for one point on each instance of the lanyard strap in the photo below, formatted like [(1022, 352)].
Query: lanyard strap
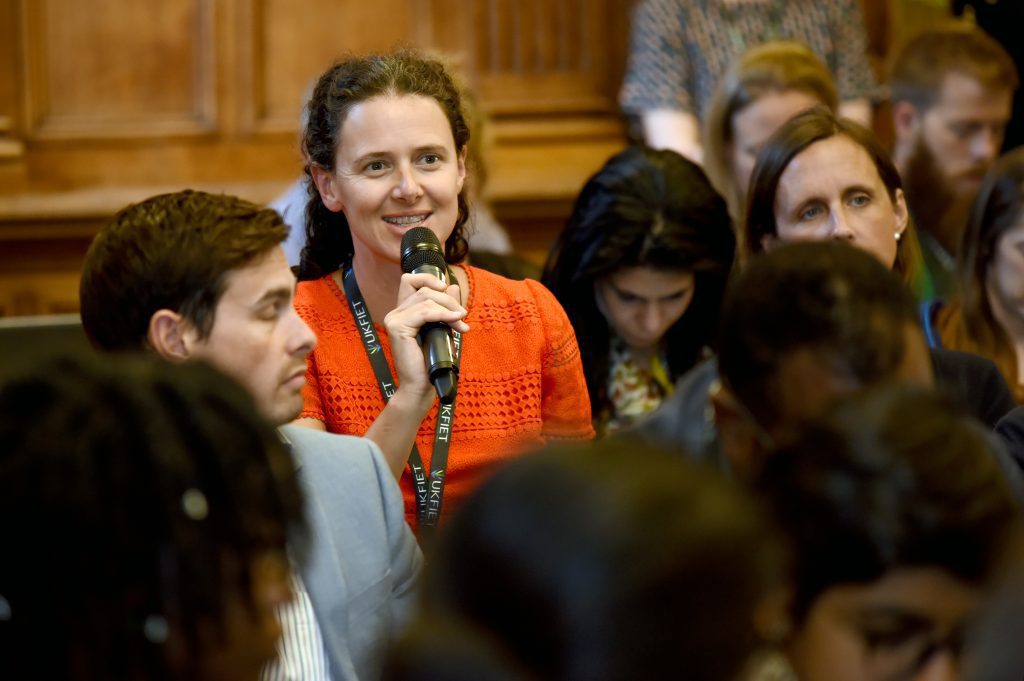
[(429, 486)]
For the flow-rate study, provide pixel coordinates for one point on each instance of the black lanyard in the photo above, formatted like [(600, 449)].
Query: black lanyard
[(429, 487)]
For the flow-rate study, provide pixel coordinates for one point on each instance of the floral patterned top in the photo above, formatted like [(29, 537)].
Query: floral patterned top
[(634, 391), (680, 49)]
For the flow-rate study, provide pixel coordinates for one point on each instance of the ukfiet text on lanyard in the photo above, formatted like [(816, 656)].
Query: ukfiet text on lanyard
[(429, 486)]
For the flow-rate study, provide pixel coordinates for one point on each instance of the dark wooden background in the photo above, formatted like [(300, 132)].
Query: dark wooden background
[(105, 102)]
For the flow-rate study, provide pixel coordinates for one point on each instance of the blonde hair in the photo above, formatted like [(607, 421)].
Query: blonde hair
[(770, 67)]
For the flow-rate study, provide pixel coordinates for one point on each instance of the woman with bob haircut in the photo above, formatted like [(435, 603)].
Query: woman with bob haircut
[(386, 143), (766, 86), (824, 177), (640, 269), (988, 316), (821, 177)]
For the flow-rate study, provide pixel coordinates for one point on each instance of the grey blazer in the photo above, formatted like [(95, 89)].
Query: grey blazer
[(363, 560)]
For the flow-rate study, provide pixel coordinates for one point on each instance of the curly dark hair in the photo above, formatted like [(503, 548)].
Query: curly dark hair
[(644, 208), (134, 496), (346, 84)]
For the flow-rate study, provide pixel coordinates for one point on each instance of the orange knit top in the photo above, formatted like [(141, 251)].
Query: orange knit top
[(520, 378)]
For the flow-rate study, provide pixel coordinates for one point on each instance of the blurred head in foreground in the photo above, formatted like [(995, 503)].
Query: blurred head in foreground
[(801, 326), (899, 518), (144, 508), (589, 563)]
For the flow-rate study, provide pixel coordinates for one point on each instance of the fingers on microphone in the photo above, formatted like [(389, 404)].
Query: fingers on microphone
[(444, 298), (429, 305), (418, 281)]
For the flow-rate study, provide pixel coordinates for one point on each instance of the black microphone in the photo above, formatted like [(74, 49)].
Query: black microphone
[(422, 254)]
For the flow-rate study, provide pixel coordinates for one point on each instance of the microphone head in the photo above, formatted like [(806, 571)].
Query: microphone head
[(421, 247)]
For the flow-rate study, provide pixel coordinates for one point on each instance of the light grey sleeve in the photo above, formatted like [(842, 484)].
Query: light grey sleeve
[(406, 557), (363, 560)]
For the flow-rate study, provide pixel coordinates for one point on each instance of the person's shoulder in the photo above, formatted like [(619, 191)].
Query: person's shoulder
[(329, 451), (316, 301), (310, 289), (527, 296), (681, 420), (954, 363), (1010, 430), (974, 381), (491, 286), (316, 283)]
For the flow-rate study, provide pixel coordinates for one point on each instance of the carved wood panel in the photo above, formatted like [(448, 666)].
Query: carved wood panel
[(114, 69), (286, 45), (105, 98), (524, 57), (548, 56)]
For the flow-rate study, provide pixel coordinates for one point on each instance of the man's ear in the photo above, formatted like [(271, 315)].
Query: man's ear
[(906, 120), (169, 335), (737, 436), (327, 185)]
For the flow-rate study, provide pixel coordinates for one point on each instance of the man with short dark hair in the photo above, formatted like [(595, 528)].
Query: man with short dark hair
[(952, 89), (802, 325), (193, 276)]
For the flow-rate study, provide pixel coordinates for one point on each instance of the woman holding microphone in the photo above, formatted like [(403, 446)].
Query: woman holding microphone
[(386, 152)]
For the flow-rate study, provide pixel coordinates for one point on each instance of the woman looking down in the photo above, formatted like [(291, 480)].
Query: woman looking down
[(641, 268)]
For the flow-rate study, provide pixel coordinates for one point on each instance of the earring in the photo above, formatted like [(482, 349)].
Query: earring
[(898, 235)]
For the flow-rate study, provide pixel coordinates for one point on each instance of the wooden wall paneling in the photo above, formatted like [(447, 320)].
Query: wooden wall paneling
[(41, 261), (9, 46), (48, 291), (44, 238), (547, 56), (109, 69), (12, 149), (448, 28), (547, 72), (912, 16), (286, 45), (116, 101)]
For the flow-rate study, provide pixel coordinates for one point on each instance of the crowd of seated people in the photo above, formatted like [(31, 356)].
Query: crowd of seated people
[(740, 428)]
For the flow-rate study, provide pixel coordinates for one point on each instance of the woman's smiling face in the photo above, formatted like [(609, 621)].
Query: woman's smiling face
[(396, 167)]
